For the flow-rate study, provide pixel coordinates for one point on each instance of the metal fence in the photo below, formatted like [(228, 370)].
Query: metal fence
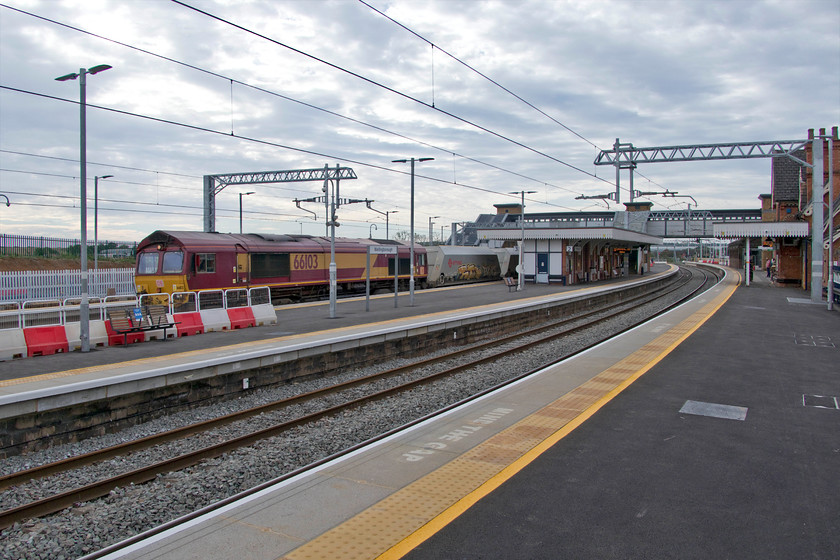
[(63, 284), (39, 246)]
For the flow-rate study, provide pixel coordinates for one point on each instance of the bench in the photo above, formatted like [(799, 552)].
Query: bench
[(152, 318), (511, 283)]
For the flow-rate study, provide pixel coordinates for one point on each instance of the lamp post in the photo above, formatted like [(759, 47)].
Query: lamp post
[(370, 230), (432, 231), (96, 219), (386, 212), (411, 264), (84, 307), (386, 221), (240, 208), (522, 242)]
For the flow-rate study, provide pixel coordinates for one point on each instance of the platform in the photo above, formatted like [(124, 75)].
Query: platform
[(53, 383), (690, 436)]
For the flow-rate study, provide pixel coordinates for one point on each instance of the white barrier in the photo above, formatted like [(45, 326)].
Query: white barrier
[(260, 301), (12, 344), (98, 335)]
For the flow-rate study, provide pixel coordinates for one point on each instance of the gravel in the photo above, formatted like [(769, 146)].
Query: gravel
[(88, 527)]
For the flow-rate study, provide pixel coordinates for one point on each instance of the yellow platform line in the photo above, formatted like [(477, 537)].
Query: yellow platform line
[(399, 523)]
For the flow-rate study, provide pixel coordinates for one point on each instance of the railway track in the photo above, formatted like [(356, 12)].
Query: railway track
[(401, 379)]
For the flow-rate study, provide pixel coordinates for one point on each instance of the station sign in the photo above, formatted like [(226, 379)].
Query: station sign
[(382, 250)]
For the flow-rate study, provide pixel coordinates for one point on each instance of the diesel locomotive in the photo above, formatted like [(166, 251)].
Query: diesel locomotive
[(294, 267)]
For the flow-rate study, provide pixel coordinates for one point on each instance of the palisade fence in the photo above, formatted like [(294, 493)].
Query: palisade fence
[(56, 247), (62, 284)]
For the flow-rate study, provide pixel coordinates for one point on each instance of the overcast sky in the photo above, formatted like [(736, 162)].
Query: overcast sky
[(283, 85)]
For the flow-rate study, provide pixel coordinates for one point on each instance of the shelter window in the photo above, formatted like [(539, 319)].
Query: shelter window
[(147, 263), (173, 262), (270, 265), (205, 263)]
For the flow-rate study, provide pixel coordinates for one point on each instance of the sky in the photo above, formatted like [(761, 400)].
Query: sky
[(505, 95)]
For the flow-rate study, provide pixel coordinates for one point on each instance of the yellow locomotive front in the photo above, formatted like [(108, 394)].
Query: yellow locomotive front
[(160, 272)]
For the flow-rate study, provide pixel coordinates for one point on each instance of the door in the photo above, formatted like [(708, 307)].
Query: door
[(243, 269), (542, 268)]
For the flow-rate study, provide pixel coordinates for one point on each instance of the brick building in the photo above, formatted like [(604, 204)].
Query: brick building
[(830, 198)]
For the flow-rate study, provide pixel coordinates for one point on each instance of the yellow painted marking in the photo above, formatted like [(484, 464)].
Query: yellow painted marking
[(399, 523)]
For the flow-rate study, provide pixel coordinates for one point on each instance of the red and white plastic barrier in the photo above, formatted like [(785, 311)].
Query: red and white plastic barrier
[(239, 309)]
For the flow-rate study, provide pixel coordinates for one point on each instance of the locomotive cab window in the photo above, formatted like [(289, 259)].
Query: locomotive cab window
[(205, 262), (147, 263), (173, 262)]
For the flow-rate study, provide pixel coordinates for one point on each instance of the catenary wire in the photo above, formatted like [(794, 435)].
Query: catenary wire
[(293, 100), (263, 142)]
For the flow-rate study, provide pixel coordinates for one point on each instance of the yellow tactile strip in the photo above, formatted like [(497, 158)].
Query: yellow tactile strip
[(398, 523)]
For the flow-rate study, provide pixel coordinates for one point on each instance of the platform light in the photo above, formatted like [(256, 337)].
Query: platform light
[(240, 208), (522, 242), (84, 307), (411, 253)]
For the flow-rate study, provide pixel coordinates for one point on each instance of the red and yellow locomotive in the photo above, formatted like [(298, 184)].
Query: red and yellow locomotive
[(292, 266)]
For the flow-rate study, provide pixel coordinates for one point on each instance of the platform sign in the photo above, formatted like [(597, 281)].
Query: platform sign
[(382, 250), (138, 315)]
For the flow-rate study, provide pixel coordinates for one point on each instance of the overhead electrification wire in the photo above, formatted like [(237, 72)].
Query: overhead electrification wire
[(290, 99), (387, 88), (254, 140), (111, 165), (492, 81), (121, 182), (233, 214), (65, 176), (164, 205), (486, 77)]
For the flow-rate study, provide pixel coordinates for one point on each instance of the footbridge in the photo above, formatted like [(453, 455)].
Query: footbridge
[(668, 224)]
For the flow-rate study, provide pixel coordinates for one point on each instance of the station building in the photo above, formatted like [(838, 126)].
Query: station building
[(784, 235), (573, 247)]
